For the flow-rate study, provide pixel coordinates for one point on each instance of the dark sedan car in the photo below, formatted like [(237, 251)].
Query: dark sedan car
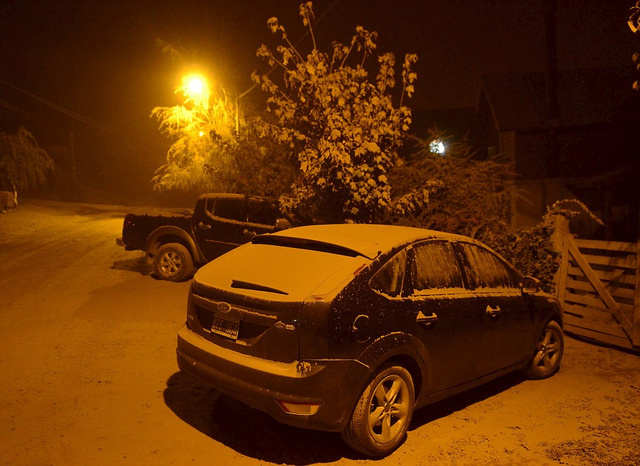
[(350, 328)]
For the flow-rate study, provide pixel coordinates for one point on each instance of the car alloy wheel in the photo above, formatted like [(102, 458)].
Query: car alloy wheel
[(381, 418), (548, 352)]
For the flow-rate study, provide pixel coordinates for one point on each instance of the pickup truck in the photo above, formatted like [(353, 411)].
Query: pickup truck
[(176, 244)]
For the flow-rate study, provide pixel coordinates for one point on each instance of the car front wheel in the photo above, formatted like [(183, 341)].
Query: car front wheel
[(548, 353), (173, 262), (382, 415)]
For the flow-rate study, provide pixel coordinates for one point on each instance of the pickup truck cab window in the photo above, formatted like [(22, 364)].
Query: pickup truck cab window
[(263, 212), (231, 209)]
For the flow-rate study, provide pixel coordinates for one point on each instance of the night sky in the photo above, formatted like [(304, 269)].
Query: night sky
[(102, 59)]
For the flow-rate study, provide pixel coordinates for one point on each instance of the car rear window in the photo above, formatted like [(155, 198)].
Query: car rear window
[(303, 243), (291, 273)]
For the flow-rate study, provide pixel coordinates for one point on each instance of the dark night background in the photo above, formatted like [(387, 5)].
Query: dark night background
[(86, 74)]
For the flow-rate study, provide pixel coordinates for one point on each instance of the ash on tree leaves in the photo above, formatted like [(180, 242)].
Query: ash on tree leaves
[(342, 127)]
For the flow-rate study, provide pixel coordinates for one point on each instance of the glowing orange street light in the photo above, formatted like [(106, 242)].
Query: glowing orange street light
[(196, 89)]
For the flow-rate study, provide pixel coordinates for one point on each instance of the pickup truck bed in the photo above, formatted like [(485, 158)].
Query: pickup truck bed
[(175, 243)]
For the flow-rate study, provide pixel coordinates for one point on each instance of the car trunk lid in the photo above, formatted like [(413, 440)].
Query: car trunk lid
[(251, 298)]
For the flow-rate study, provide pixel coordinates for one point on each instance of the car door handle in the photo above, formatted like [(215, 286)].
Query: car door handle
[(427, 321), (493, 312), (204, 226)]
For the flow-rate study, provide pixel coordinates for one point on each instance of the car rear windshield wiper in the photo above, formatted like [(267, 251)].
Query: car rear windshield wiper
[(255, 286), (301, 243)]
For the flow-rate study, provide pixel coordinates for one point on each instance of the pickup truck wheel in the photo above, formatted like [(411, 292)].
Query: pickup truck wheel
[(173, 262)]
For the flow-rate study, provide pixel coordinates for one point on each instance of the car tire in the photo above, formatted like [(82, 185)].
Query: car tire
[(382, 415), (548, 353), (173, 262)]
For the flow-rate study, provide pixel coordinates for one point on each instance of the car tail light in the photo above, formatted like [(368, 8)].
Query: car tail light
[(298, 408)]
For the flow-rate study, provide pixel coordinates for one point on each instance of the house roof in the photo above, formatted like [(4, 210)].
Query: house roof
[(585, 97)]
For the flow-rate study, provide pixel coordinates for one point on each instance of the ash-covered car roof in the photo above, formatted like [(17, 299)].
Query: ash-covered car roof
[(364, 239)]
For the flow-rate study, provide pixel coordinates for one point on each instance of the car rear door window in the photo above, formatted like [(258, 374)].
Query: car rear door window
[(435, 267), (390, 278), (485, 270)]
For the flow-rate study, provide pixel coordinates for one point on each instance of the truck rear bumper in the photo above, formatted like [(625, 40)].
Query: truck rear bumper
[(121, 243)]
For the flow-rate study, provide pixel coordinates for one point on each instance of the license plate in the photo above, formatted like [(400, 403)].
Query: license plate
[(226, 326)]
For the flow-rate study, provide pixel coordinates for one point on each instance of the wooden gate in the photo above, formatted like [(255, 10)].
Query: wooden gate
[(598, 285)]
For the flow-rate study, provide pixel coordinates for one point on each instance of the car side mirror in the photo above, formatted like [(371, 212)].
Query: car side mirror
[(282, 224), (531, 285)]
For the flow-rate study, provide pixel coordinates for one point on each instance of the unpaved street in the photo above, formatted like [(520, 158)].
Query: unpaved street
[(88, 375)]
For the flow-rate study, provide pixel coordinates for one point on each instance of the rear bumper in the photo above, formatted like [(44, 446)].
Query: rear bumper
[(120, 242), (335, 385)]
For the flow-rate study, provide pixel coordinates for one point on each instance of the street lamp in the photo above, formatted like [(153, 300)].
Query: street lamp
[(196, 89), (209, 104)]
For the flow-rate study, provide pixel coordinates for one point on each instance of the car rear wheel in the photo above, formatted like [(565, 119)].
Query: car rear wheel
[(548, 353), (173, 262), (381, 418)]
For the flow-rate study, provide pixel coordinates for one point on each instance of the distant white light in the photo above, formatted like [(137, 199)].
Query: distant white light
[(437, 147)]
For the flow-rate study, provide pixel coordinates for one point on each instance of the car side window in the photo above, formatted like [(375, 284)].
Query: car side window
[(263, 212), (389, 278), (209, 205), (435, 267), (232, 209), (485, 270)]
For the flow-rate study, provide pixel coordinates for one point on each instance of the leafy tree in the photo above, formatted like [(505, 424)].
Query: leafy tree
[(634, 25), (203, 133), (472, 197), (214, 149), (23, 164), (466, 195), (342, 129), (530, 250)]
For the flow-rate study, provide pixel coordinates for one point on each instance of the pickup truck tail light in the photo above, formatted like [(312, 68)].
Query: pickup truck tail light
[(128, 221)]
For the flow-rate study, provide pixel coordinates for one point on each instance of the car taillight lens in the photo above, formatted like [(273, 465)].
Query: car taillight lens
[(298, 408)]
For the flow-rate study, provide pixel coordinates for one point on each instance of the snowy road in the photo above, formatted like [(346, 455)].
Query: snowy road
[(88, 375)]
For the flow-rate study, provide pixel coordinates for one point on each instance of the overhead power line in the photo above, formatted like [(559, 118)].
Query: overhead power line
[(70, 113), (59, 108)]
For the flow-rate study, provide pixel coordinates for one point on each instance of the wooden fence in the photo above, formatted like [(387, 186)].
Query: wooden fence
[(598, 285)]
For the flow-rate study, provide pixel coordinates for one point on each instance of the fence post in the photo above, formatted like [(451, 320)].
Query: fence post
[(636, 300), (559, 239)]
